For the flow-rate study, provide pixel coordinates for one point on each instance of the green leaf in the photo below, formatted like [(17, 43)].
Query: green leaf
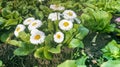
[(47, 54), (4, 37), (15, 43), (5, 12), (82, 32), (68, 63), (1, 63), (76, 43), (16, 14), (111, 63), (2, 20), (56, 50), (24, 36), (11, 22), (39, 53), (50, 26), (81, 61), (110, 28), (25, 49)]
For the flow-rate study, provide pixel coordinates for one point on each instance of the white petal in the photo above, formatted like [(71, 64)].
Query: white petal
[(37, 24), (28, 20)]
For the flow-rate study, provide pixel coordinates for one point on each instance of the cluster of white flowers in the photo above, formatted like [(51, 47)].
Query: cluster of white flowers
[(65, 24), (66, 20), (37, 37)]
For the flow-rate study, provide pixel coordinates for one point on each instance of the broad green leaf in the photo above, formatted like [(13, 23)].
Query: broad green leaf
[(111, 63), (11, 22), (67, 36), (47, 54), (15, 43), (4, 37), (56, 50), (39, 53), (81, 61), (68, 63), (24, 36), (1, 63), (82, 32), (76, 43), (25, 49)]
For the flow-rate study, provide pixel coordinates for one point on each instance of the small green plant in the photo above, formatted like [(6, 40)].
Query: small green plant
[(111, 50)]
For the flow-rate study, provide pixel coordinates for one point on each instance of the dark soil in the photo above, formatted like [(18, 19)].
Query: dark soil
[(10, 60), (93, 49)]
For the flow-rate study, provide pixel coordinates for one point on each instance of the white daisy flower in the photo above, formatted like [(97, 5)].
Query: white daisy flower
[(28, 21), (37, 37), (54, 16), (18, 29), (65, 25), (58, 37), (57, 7), (35, 24), (69, 14)]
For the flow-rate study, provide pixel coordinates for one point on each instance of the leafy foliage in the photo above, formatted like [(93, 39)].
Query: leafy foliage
[(74, 63), (92, 16), (112, 50), (96, 20), (111, 63)]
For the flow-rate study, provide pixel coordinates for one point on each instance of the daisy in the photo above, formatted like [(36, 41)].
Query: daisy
[(65, 25), (69, 14), (35, 24), (37, 37), (58, 37), (57, 7), (28, 21), (54, 16), (18, 29)]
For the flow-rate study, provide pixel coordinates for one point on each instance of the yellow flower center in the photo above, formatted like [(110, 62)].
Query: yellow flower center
[(70, 13), (18, 29), (37, 37), (33, 24), (29, 20), (58, 36), (66, 24), (56, 6)]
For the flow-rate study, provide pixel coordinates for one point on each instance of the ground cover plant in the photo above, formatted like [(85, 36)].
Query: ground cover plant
[(59, 33)]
